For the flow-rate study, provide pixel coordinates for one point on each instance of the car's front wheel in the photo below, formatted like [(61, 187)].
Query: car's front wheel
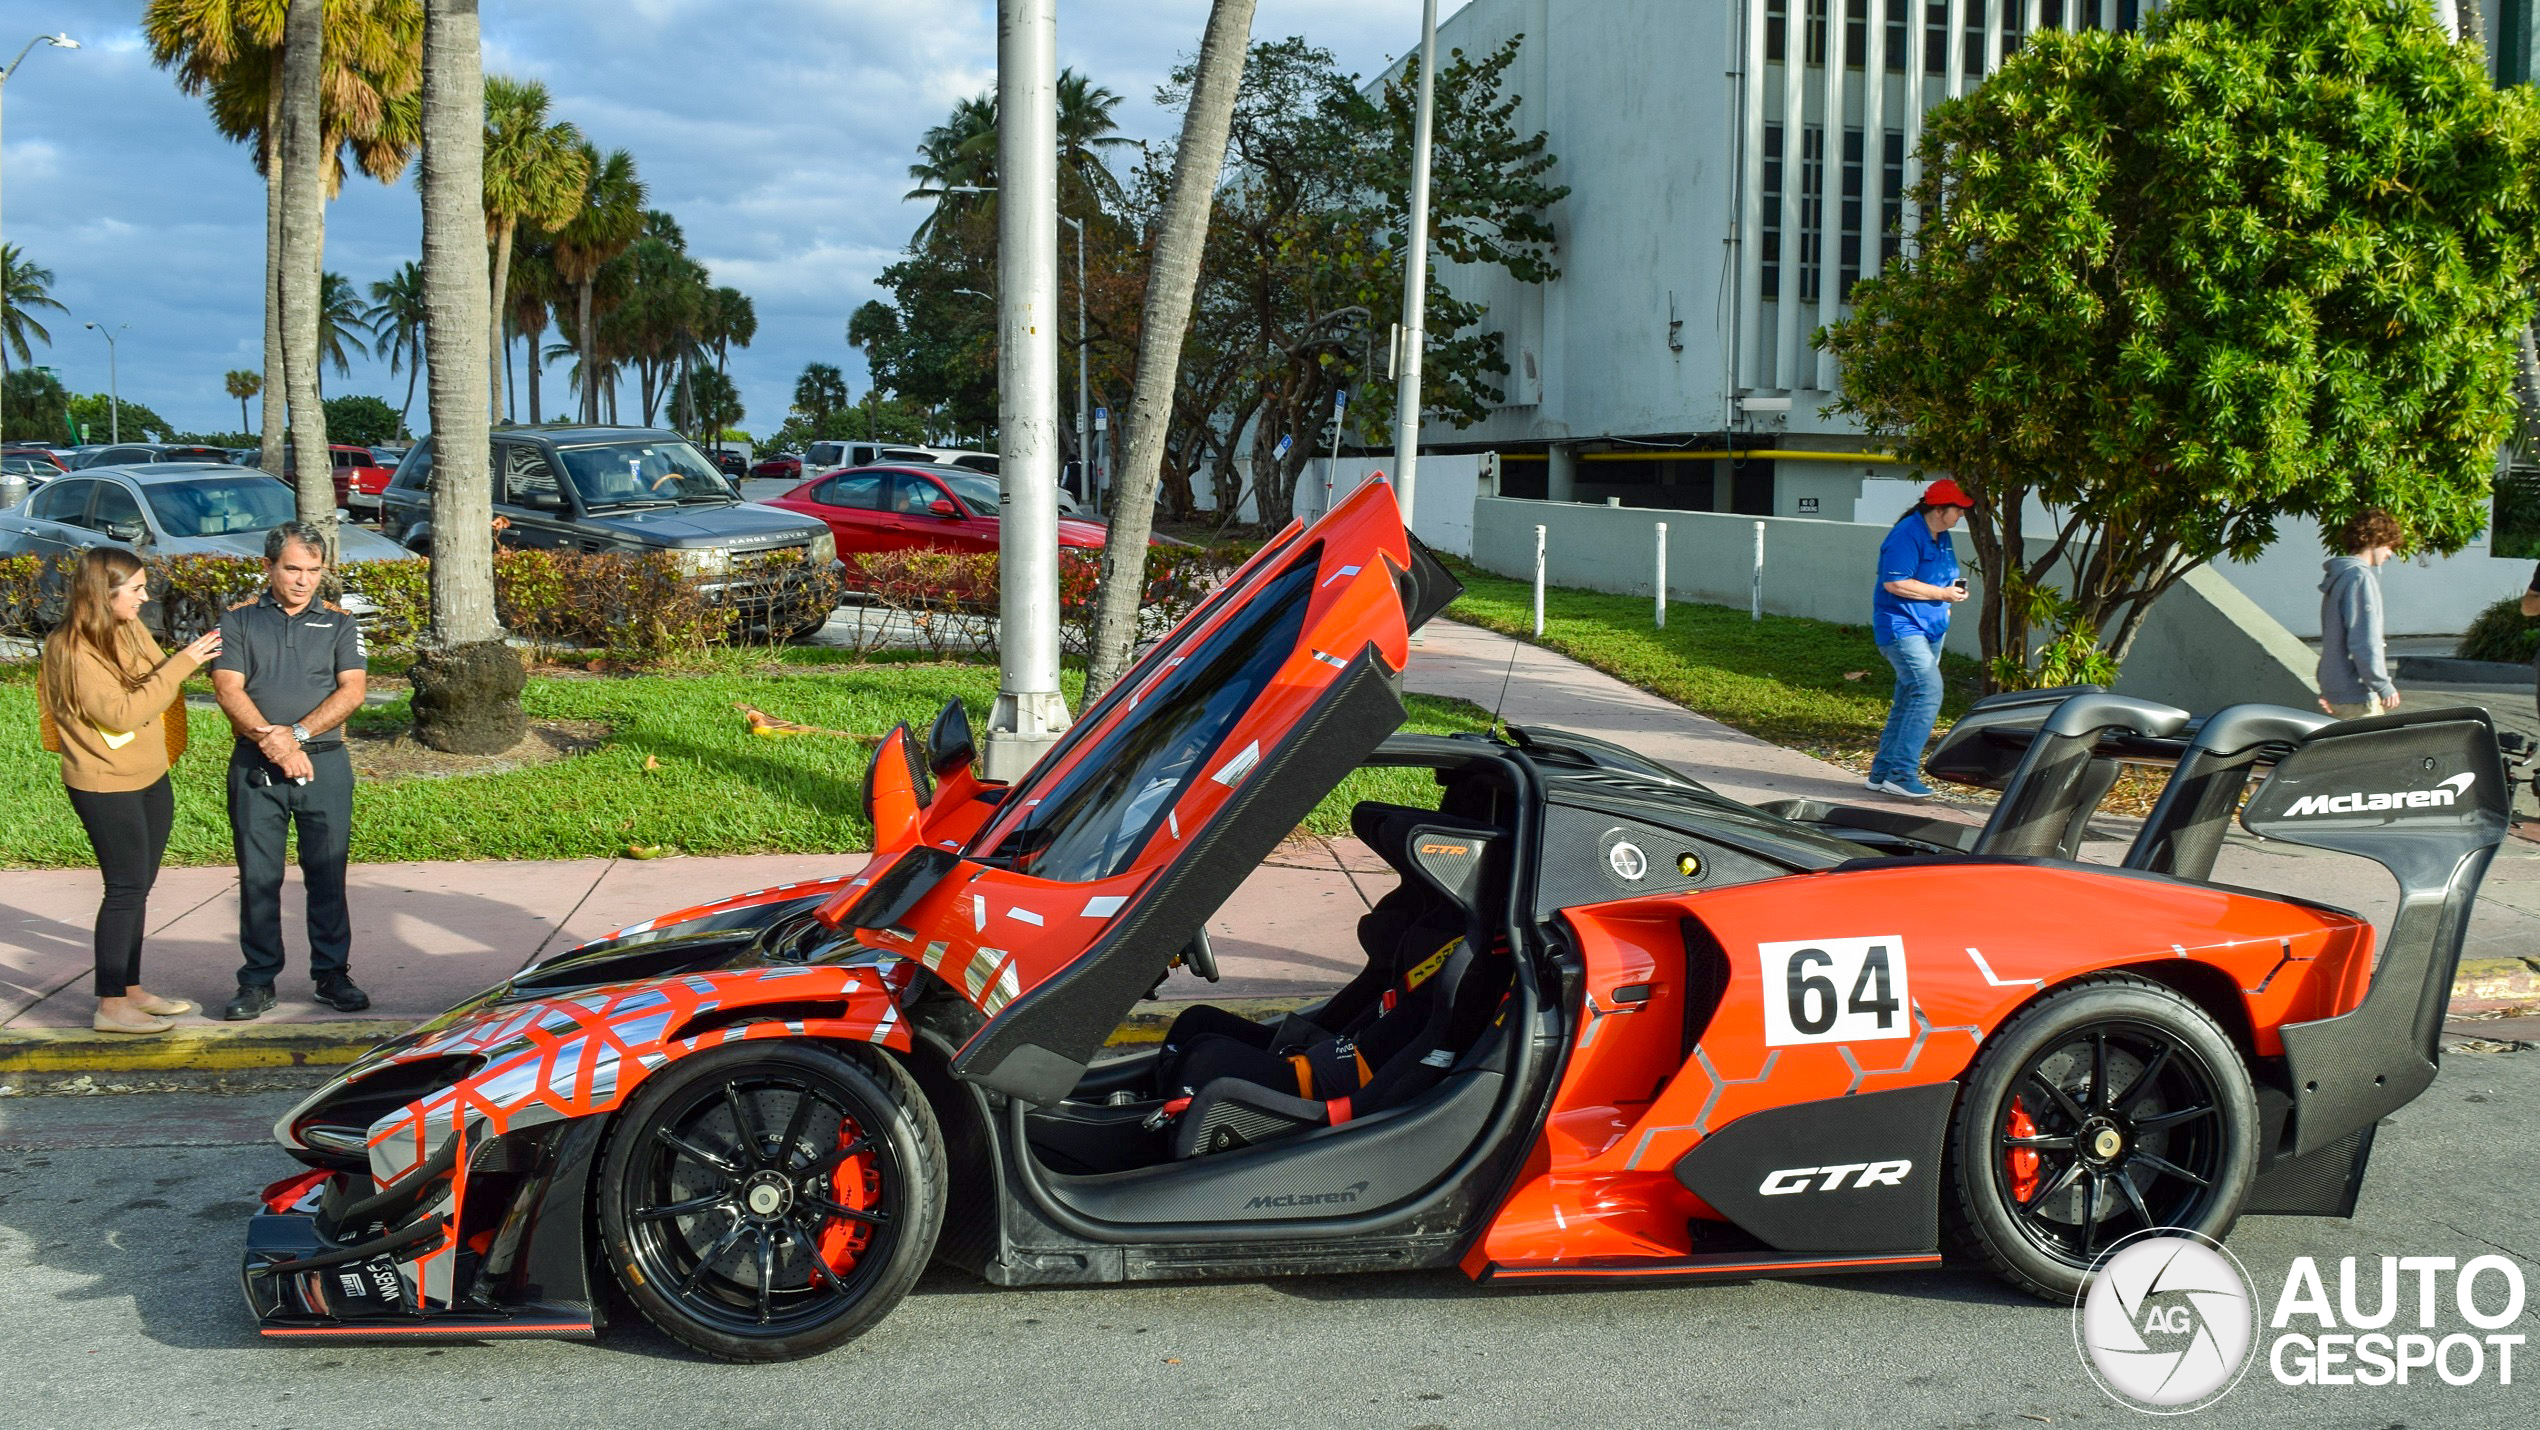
[(2110, 1107), (771, 1200)]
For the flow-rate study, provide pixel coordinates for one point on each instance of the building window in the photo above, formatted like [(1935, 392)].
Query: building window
[(1973, 41), (1892, 197), (1816, 32), (1772, 235), (1856, 34), (1850, 254), (1776, 29), (1936, 37), (2514, 530), (1899, 16), (1812, 212)]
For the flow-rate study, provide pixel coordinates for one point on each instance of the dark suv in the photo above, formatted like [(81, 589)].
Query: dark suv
[(629, 489)]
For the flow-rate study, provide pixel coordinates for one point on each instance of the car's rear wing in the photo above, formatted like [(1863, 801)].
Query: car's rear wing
[(2424, 794)]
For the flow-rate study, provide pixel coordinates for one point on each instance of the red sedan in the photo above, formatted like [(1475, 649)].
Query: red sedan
[(788, 467), (897, 508), (359, 478)]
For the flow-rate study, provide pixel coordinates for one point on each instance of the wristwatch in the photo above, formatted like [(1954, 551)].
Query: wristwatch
[(299, 732)]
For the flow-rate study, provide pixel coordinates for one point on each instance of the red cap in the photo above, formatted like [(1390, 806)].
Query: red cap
[(1947, 493)]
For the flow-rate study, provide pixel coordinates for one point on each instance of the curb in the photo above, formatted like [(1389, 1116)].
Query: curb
[(75, 1059), (2454, 670)]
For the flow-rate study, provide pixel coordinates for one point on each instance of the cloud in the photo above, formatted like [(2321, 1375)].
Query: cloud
[(779, 133)]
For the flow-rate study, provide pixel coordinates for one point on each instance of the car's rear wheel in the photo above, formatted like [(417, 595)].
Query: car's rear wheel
[(769, 1201), (2107, 1108)]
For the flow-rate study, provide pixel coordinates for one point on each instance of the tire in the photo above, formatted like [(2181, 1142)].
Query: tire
[(2141, 1147), (750, 1270)]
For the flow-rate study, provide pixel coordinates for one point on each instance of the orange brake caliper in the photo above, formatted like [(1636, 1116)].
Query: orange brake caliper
[(856, 1183), (2023, 1161)]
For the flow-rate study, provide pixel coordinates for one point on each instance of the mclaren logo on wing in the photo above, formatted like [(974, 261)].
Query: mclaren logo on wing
[(2441, 796)]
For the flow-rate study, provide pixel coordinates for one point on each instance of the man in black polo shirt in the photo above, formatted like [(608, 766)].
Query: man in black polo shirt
[(291, 670)]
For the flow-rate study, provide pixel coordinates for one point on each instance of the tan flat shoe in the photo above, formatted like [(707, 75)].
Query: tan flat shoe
[(142, 1029), (170, 1007)]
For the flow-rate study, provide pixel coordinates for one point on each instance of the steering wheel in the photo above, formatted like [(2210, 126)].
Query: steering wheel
[(1198, 957)]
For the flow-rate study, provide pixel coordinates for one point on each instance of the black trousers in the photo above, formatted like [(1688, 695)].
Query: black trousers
[(264, 807), (129, 831)]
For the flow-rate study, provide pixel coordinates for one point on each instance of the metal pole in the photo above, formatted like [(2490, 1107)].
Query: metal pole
[(1030, 712), (1538, 580), (1662, 575), (1084, 386), (114, 394), (1331, 466), (1415, 277), (1755, 609)]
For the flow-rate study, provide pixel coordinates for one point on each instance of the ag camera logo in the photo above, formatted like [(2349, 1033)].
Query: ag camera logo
[(2167, 1323)]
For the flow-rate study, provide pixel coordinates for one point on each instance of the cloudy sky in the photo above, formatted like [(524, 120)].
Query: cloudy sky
[(779, 132)]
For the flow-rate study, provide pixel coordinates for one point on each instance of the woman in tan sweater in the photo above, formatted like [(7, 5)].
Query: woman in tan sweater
[(106, 685)]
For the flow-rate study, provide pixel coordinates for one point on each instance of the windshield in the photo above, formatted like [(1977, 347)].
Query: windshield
[(217, 506), (1110, 803), (976, 492), (624, 474)]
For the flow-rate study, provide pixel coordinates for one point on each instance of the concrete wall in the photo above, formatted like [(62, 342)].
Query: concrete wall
[(1442, 512), (2205, 645)]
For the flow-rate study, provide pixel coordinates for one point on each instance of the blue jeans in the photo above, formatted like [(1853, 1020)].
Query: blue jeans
[(1909, 720)]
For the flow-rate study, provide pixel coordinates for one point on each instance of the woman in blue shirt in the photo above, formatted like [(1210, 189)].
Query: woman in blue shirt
[(1909, 614)]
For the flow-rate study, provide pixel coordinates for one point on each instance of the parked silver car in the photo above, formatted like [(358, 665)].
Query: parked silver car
[(169, 509)]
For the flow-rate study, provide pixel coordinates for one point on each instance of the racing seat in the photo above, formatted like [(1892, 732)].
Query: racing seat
[(1233, 1084), (1405, 926)]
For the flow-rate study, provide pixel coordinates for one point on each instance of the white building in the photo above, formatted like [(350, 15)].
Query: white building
[(1717, 218)]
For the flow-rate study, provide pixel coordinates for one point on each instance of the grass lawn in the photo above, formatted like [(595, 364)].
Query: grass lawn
[(1781, 678), (715, 788)]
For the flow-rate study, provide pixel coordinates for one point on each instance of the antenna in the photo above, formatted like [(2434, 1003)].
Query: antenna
[(1496, 723)]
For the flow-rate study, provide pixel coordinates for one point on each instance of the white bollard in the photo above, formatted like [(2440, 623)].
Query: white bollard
[(1538, 580), (1755, 608), (1662, 575)]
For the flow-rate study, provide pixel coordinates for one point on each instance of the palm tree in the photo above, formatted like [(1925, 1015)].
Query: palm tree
[(534, 293), (535, 173), (26, 285), (1085, 129), (232, 52), (608, 221), (340, 312), (395, 318), (303, 280), (1172, 281), (962, 152), (243, 383), (466, 681), (731, 321), (820, 391)]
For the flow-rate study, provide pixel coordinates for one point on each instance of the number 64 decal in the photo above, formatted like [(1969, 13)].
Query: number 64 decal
[(1835, 990)]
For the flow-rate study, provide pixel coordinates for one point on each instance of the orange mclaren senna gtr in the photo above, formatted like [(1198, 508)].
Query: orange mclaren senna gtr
[(1608, 1024)]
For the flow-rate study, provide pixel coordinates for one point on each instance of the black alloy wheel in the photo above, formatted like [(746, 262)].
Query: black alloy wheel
[(769, 1201), (2110, 1107)]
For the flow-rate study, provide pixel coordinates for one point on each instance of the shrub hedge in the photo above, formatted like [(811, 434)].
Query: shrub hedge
[(948, 599), (643, 607), (2501, 632)]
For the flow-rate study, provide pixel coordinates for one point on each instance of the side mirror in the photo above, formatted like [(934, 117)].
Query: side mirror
[(131, 533), (943, 506), (949, 745)]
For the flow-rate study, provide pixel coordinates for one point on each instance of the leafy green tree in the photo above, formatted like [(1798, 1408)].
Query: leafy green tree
[(608, 221), (712, 402), (364, 421), (26, 287), (96, 412), (536, 174), (341, 316), (821, 392), (33, 406), (2266, 258)]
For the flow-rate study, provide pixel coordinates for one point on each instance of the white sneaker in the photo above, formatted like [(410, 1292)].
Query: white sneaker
[(1903, 791)]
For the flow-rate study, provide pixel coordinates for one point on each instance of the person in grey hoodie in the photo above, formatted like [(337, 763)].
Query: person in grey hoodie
[(2354, 675)]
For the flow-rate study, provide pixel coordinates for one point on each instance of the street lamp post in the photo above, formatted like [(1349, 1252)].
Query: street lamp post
[(1030, 711), (59, 42), (1084, 387), (1415, 276), (114, 390)]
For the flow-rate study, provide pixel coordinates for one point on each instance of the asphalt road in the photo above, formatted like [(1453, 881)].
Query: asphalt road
[(120, 1219)]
